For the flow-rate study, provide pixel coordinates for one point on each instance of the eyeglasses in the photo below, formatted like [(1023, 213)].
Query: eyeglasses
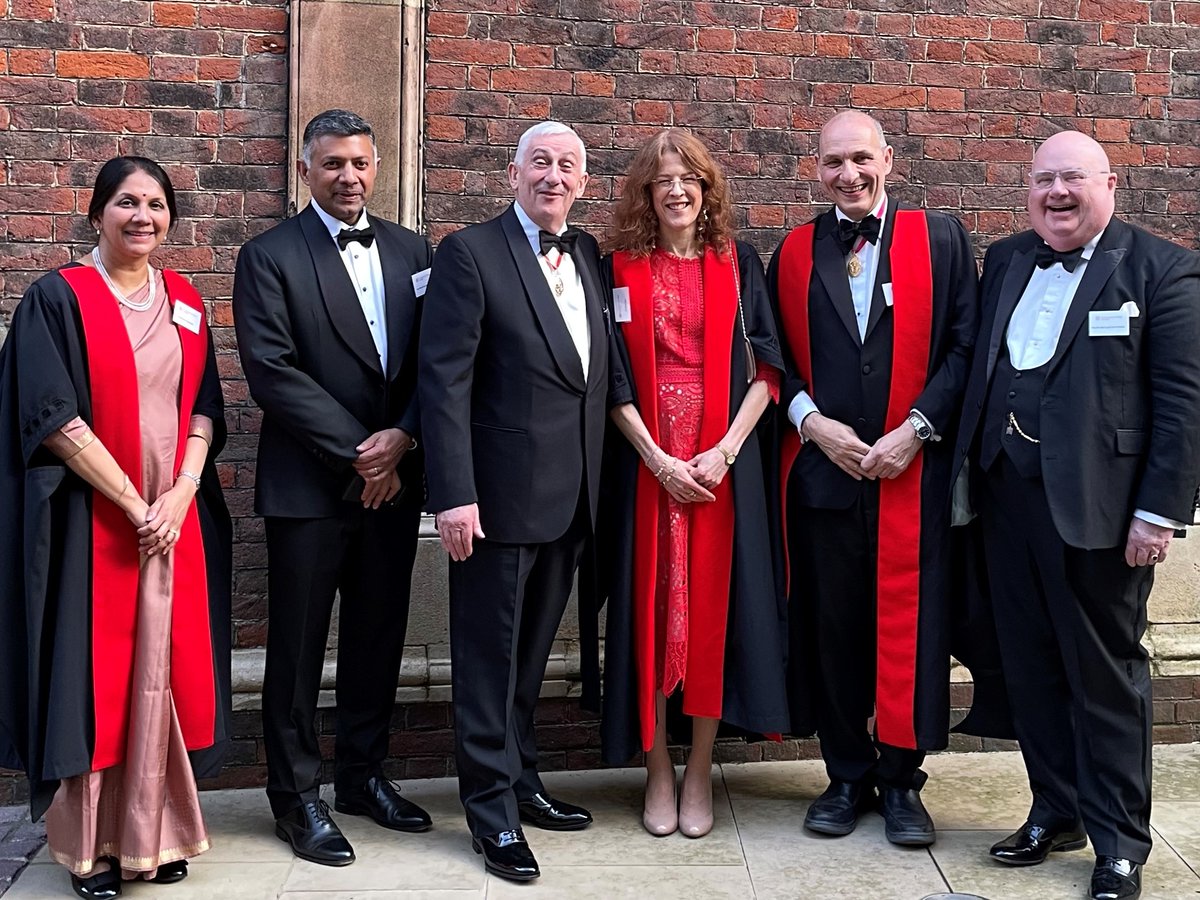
[(1070, 178), (665, 185)]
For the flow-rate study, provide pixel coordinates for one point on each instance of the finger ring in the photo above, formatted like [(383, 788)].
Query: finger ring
[(172, 533), (1153, 557), (375, 471)]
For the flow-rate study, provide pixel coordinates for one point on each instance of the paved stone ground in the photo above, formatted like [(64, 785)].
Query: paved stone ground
[(758, 848), (19, 840)]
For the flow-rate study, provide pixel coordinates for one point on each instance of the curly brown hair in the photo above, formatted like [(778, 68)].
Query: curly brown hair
[(634, 226)]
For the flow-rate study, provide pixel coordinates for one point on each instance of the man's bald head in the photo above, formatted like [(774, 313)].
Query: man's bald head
[(1072, 193), (853, 162)]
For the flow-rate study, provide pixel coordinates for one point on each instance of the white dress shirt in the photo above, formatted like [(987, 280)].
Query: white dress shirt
[(572, 302), (366, 274), (1037, 320)]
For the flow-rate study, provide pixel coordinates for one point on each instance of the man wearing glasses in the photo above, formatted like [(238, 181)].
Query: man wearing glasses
[(1081, 429)]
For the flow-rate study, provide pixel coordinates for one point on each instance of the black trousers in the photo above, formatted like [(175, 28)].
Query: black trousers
[(833, 559), (366, 556), (1070, 622), (506, 603)]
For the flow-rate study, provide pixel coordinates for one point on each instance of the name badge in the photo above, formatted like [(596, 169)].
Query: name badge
[(1108, 323), (420, 282), (621, 310), (186, 317), (888, 299)]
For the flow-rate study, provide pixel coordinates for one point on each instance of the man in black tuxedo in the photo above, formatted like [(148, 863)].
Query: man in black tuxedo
[(327, 308), (877, 309), (1081, 428), (513, 384)]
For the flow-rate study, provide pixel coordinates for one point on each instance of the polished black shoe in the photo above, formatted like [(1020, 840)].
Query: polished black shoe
[(837, 810), (906, 822), (545, 812), (507, 855), (314, 835), (1032, 843), (380, 799), (170, 873), (101, 886), (1116, 879)]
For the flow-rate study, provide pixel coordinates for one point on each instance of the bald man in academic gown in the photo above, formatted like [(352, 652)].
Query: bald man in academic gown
[(876, 304)]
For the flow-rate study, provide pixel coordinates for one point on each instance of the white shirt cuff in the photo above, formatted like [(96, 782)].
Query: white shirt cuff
[(799, 408), (1162, 521)]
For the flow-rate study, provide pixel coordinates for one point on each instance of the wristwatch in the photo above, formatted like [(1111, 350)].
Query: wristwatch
[(920, 426), (730, 458)]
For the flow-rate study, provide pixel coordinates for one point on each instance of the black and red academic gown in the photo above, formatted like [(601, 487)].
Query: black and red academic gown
[(68, 556), (922, 334), (735, 556)]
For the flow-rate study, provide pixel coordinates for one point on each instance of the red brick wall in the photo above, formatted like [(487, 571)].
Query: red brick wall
[(963, 95), (201, 86)]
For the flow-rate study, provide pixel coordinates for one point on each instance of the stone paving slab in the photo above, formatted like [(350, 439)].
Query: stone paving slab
[(757, 850)]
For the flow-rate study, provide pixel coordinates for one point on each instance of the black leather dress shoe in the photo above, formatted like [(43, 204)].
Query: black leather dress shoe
[(1116, 879), (170, 873), (507, 855), (379, 799), (553, 815), (314, 835), (906, 822), (837, 810), (1032, 843), (102, 886)]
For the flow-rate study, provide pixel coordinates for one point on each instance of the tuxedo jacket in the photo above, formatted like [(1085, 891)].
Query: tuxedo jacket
[(852, 375), (312, 366), (1120, 415), (509, 420)]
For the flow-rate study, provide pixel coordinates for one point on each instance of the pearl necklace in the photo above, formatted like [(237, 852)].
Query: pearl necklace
[(121, 298)]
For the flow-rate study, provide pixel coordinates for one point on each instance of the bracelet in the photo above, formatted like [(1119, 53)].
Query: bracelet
[(203, 435), (192, 475)]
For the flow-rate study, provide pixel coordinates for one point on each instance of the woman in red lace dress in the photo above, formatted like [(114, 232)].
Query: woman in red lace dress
[(699, 605)]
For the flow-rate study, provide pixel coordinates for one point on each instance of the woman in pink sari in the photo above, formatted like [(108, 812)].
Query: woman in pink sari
[(110, 416)]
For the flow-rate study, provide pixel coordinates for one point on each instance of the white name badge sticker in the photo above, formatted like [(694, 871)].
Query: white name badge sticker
[(1108, 323), (420, 282), (621, 310), (186, 317), (888, 299)]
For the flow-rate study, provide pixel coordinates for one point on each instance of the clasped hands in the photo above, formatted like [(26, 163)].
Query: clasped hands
[(158, 523), (378, 457), (692, 481), (888, 458)]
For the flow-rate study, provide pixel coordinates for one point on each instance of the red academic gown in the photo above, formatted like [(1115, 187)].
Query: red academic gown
[(67, 590), (736, 613), (915, 355)]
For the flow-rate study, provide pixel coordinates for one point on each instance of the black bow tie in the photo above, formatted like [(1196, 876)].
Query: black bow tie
[(849, 232), (365, 236), (563, 243), (1048, 256)]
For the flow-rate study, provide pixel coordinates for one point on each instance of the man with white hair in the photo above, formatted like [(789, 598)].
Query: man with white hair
[(1080, 424), (514, 381)]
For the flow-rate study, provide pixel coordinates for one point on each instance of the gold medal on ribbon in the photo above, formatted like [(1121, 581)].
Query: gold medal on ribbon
[(854, 266)]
